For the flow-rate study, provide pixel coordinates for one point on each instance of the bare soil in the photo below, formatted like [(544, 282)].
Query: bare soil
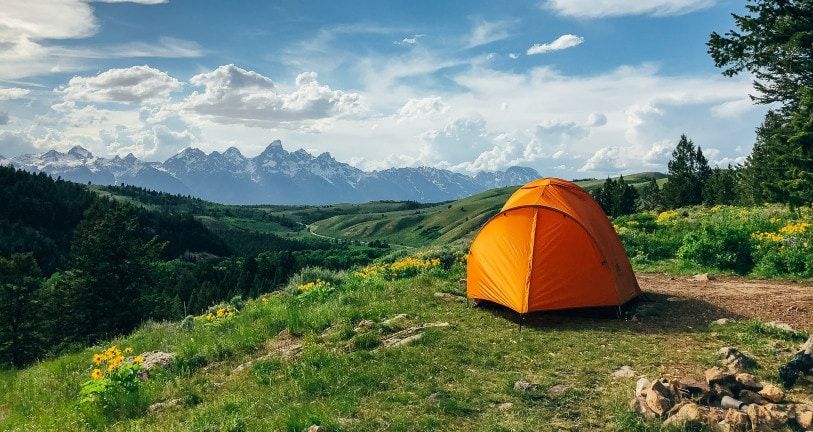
[(698, 302)]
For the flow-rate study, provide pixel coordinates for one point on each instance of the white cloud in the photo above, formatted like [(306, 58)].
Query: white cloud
[(606, 159), (562, 42), (422, 108), (409, 40), (9, 93), (513, 56), (4, 119), (136, 84), (146, 2), (235, 96), (484, 32), (610, 8)]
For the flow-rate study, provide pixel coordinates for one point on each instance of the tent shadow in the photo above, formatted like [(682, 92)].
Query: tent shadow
[(648, 313)]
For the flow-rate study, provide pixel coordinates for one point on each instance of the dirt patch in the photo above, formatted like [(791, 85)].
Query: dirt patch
[(733, 297)]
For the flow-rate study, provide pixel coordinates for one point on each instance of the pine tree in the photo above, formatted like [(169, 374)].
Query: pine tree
[(650, 196), (682, 188), (20, 331), (721, 187)]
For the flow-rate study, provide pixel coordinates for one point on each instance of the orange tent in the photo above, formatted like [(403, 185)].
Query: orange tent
[(550, 247)]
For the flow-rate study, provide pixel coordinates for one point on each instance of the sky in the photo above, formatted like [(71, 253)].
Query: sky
[(573, 88)]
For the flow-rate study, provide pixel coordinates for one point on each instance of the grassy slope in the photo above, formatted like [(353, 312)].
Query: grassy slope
[(472, 365), (436, 225)]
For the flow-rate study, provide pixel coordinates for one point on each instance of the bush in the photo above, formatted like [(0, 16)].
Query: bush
[(723, 246), (114, 387), (312, 274)]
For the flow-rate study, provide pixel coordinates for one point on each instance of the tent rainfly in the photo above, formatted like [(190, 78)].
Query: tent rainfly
[(551, 247)]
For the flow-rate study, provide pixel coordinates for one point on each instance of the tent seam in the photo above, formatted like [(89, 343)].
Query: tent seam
[(531, 259)]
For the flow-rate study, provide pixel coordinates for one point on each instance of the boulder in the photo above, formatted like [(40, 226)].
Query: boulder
[(721, 321), (748, 381), (749, 397), (736, 360), (153, 359), (398, 321), (767, 417), (717, 375), (689, 414), (772, 393), (703, 277)]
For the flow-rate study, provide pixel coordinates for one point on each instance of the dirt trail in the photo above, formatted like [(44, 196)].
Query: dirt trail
[(732, 297)]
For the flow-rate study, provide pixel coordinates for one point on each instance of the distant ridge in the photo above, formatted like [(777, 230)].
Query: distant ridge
[(275, 176)]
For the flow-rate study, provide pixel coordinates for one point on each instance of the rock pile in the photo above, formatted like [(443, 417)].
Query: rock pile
[(727, 400)]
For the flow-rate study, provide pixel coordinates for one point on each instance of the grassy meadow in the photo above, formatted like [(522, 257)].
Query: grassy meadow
[(453, 378)]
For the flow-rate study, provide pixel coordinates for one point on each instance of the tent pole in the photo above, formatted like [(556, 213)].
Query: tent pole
[(619, 312)]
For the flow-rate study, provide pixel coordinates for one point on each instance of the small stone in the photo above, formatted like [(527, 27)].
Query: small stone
[(558, 389), (407, 340), (781, 326), (505, 406), (717, 375), (749, 381), (624, 372), (314, 428), (449, 297), (772, 393), (805, 419), (692, 386), (736, 360), (399, 320), (721, 321), (525, 386), (641, 386), (703, 277), (365, 324), (748, 397), (688, 414), (160, 406), (434, 397)]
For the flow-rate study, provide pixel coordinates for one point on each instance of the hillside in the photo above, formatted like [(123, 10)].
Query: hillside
[(287, 361), (436, 225)]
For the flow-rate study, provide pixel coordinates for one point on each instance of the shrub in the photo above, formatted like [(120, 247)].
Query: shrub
[(313, 274), (723, 246)]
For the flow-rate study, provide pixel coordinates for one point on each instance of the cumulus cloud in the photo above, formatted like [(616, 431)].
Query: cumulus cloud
[(133, 85), (13, 93), (606, 159), (233, 95), (484, 32), (612, 8), (409, 40), (422, 108), (15, 143), (562, 42)]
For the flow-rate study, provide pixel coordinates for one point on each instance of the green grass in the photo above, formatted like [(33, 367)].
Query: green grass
[(451, 379)]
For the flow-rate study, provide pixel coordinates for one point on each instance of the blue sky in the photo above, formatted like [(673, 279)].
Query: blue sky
[(571, 87)]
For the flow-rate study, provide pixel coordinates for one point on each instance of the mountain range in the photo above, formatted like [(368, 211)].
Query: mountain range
[(275, 176)]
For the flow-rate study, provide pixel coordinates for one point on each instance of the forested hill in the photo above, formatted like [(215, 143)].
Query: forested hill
[(78, 265)]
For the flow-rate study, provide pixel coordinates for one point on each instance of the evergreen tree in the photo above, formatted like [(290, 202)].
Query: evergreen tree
[(20, 333), (108, 250), (683, 187), (762, 167), (650, 196), (616, 197), (721, 187)]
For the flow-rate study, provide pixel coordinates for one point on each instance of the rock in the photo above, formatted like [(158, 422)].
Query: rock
[(689, 414), (767, 417), (407, 340), (188, 322), (641, 386), (722, 390), (772, 393), (364, 325), (721, 321), (717, 375), (657, 398), (624, 372), (748, 397), (558, 389), (505, 406), (736, 360), (638, 405), (449, 297), (153, 359), (397, 322), (749, 381), (780, 326), (160, 406), (523, 386), (805, 419), (692, 386), (314, 428), (434, 397), (703, 277), (737, 419)]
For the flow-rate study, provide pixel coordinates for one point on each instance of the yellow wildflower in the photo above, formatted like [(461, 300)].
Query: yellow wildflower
[(96, 374), (98, 359), (138, 359), (129, 350), (797, 228)]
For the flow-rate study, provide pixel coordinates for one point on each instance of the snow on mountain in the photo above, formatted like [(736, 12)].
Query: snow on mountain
[(275, 176)]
